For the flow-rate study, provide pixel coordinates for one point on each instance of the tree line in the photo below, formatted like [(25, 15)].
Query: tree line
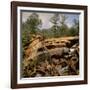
[(59, 28)]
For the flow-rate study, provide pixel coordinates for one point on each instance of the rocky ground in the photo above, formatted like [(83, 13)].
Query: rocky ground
[(51, 57)]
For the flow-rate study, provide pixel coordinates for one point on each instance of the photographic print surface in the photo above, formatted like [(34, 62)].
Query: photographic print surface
[(49, 44)]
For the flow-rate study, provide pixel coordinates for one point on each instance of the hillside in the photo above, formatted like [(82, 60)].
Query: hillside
[(51, 57)]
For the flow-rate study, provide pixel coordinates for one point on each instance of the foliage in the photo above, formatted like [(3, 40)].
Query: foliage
[(31, 28), (63, 19), (55, 21), (74, 30), (59, 29), (33, 23)]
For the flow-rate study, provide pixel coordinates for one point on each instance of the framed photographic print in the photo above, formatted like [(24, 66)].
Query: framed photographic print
[(48, 44)]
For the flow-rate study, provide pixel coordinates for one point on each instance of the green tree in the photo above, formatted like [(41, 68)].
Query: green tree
[(55, 21), (33, 23), (63, 29), (63, 19), (76, 26), (74, 30), (30, 27)]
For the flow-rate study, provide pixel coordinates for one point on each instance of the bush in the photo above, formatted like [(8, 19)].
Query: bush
[(73, 32)]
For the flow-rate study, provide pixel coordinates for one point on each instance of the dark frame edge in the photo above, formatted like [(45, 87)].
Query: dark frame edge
[(86, 44), (53, 84), (47, 5), (12, 44)]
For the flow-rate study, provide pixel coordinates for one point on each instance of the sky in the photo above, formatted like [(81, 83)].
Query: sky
[(45, 17)]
